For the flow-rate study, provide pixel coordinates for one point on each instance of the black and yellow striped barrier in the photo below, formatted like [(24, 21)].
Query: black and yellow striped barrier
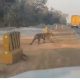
[(12, 51)]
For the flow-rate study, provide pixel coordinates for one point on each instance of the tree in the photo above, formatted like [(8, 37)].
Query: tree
[(28, 13)]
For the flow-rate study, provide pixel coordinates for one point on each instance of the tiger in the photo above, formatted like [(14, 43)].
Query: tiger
[(40, 36)]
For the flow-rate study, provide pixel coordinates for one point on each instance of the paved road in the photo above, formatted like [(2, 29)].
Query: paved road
[(63, 30), (68, 72), (24, 31), (77, 31)]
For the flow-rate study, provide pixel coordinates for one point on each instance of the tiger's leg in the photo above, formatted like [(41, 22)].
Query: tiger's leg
[(38, 41), (33, 41), (43, 39), (49, 37)]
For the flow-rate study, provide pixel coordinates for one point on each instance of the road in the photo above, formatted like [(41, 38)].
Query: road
[(77, 31), (66, 72)]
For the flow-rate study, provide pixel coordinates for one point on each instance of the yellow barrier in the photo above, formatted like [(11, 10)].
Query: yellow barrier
[(12, 51)]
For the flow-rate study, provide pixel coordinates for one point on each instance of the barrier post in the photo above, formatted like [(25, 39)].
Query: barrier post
[(12, 50)]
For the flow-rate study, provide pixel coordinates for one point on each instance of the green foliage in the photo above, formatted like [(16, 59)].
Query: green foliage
[(18, 13)]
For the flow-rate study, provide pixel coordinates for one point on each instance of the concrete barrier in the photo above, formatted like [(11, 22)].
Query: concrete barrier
[(11, 46)]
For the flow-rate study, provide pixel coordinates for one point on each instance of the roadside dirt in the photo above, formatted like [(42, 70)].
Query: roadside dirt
[(63, 52)]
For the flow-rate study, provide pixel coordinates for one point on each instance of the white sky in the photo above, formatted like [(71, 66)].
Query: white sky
[(71, 7)]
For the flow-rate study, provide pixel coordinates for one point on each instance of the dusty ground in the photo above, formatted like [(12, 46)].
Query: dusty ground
[(63, 52)]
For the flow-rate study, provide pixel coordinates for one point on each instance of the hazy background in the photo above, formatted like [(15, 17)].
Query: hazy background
[(72, 7), (25, 13)]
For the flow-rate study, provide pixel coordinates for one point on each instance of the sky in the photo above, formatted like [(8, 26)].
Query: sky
[(71, 7)]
